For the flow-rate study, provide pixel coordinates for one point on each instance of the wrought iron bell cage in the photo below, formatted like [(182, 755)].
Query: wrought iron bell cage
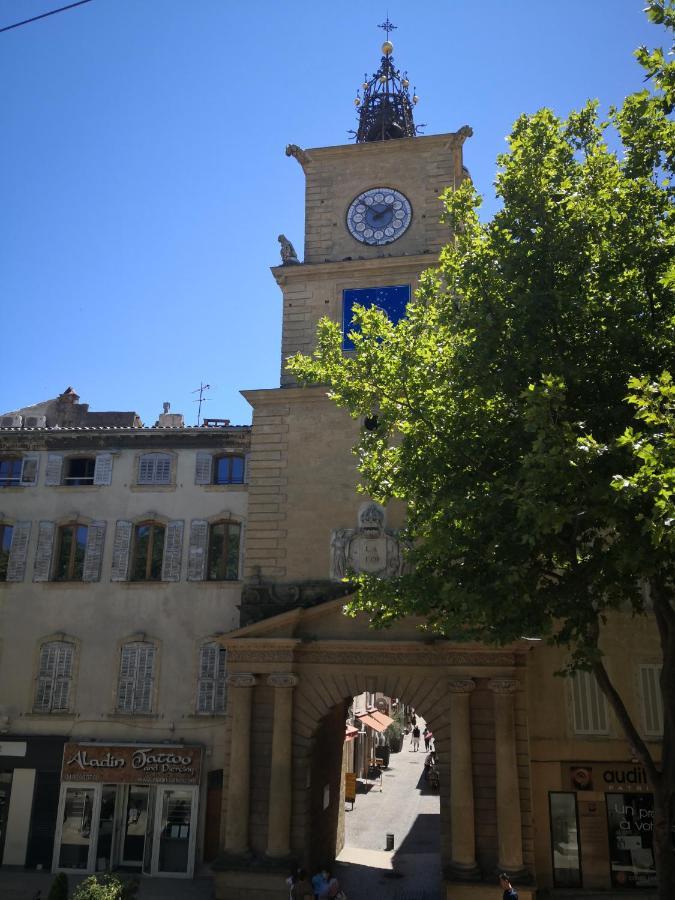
[(386, 110)]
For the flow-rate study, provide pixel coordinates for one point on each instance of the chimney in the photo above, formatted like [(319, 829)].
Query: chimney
[(168, 419)]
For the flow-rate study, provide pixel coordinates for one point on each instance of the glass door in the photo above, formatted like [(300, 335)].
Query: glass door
[(135, 825), (5, 790), (77, 825), (175, 827)]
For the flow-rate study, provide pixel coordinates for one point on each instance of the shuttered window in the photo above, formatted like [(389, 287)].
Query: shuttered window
[(6, 532), (228, 470), (10, 472), (55, 674), (72, 547), (224, 543), (80, 471), (137, 677), (652, 700), (590, 706), (211, 682), (154, 468)]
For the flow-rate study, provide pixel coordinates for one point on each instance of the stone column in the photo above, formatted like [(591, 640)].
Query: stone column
[(279, 815), (239, 701), (509, 824), (461, 780)]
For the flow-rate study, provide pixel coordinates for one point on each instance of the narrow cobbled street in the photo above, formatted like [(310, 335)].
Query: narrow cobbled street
[(402, 805)]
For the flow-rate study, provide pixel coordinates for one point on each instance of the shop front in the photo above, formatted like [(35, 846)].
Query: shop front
[(602, 827), (131, 807)]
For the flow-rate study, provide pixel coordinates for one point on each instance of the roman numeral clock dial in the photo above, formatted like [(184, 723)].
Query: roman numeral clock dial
[(379, 216)]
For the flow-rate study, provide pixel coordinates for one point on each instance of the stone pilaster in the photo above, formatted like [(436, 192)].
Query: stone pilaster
[(461, 781), (279, 816), (509, 823), (240, 697)]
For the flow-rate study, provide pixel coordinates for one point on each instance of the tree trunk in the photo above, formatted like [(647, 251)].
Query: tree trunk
[(663, 844)]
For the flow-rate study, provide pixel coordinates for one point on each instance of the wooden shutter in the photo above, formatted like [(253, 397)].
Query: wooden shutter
[(43, 553), (199, 535), (173, 551), (208, 665), (221, 686), (45, 682), (63, 674), (146, 469), (29, 469), (18, 552), (103, 468), (54, 467), (125, 685), (652, 701), (590, 706), (54, 676), (94, 553), (121, 547), (145, 677), (203, 468)]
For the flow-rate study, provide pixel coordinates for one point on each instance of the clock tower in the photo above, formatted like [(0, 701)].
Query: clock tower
[(372, 226)]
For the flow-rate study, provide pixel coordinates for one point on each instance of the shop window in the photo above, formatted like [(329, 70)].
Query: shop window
[(6, 532), (228, 470), (223, 556), (137, 677), (652, 701), (148, 552), (630, 823), (211, 682), (565, 840), (79, 471), (55, 675), (72, 548), (589, 705), (154, 468)]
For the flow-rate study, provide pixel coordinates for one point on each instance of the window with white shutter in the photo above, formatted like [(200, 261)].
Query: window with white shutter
[(173, 551), (54, 469), (94, 552), (121, 549), (652, 700), (589, 705), (18, 552), (154, 468), (137, 677), (103, 468), (197, 551), (55, 675), (43, 552), (211, 690)]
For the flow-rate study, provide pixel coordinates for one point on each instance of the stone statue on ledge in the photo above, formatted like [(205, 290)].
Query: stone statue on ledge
[(370, 548), (288, 255)]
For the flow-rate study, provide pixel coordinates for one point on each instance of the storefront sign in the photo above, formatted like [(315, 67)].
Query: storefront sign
[(605, 777), (630, 819), (137, 764)]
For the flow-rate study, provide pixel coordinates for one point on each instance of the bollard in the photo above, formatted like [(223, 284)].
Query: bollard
[(390, 842)]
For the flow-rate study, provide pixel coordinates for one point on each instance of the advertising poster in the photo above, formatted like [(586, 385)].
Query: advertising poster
[(630, 819)]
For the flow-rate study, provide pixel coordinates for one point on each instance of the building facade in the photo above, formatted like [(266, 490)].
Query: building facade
[(120, 567)]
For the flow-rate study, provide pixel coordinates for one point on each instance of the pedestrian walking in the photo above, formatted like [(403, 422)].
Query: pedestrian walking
[(510, 893), (320, 883), (416, 738), (430, 738), (425, 735), (302, 888)]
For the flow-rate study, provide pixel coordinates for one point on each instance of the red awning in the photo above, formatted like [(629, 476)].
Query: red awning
[(351, 733), (371, 722), (382, 717)]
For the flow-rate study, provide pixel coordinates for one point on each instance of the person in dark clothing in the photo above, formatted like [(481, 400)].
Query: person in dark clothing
[(510, 893), (416, 738)]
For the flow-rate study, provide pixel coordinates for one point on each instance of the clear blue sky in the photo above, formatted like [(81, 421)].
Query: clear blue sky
[(143, 180)]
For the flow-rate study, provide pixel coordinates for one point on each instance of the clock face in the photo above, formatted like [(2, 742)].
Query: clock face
[(379, 216)]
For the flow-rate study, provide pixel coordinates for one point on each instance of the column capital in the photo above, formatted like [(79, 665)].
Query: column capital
[(461, 685), (241, 680), (503, 685), (282, 680)]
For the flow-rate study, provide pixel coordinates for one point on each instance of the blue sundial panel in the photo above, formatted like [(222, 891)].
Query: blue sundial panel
[(392, 300)]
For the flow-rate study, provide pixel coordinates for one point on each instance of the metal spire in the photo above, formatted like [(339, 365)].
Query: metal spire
[(386, 111)]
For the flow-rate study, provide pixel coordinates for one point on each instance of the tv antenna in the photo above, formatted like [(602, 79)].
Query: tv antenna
[(201, 399)]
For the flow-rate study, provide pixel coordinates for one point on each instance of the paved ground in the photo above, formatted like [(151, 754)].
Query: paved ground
[(408, 809), (18, 884)]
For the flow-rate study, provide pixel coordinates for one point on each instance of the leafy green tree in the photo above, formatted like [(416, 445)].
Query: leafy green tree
[(106, 887), (501, 404)]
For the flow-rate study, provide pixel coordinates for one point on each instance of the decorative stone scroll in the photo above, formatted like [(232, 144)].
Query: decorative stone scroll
[(241, 679), (462, 685), (503, 685), (369, 548), (282, 680)]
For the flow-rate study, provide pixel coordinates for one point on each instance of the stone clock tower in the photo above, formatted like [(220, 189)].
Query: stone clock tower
[(372, 214), (372, 226)]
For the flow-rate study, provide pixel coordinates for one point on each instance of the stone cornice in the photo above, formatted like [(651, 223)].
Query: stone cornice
[(237, 437), (381, 266), (448, 139)]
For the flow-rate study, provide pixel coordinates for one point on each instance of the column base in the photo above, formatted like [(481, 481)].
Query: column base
[(241, 885), (517, 875), (456, 871)]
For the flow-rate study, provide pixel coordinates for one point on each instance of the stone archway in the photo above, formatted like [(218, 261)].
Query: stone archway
[(286, 675)]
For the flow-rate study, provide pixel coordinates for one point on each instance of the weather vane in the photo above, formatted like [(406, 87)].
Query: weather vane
[(387, 26)]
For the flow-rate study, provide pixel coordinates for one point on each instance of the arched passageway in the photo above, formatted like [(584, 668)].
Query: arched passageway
[(290, 679)]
